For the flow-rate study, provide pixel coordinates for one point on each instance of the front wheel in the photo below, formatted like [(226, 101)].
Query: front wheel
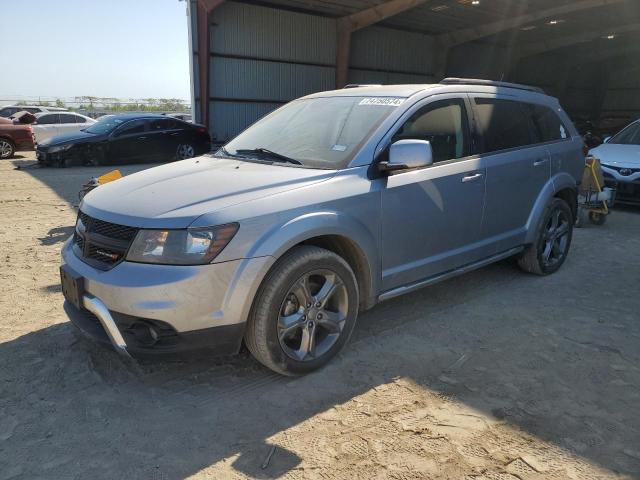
[(304, 312), (7, 149), (553, 239)]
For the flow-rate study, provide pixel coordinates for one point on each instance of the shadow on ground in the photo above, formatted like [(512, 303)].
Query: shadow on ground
[(561, 369)]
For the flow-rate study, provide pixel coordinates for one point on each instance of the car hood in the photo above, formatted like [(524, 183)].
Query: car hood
[(623, 156), (176, 194), (68, 138)]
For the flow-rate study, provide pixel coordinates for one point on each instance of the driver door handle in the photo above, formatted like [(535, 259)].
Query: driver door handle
[(539, 162), (471, 178), (142, 138)]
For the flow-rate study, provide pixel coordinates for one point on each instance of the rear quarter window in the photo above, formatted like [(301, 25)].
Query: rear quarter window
[(547, 123)]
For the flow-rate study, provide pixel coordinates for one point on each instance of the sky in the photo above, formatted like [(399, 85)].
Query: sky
[(103, 48)]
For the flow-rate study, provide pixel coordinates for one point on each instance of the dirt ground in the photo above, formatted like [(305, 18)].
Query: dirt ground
[(494, 375)]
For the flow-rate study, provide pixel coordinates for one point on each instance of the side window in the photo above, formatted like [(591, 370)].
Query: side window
[(80, 119), (444, 124), (503, 124), (548, 125), (31, 110), (129, 128), (68, 118), (49, 119), (161, 124)]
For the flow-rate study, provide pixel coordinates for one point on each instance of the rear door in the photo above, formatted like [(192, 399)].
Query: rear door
[(164, 138), (431, 217), (518, 166), (47, 126)]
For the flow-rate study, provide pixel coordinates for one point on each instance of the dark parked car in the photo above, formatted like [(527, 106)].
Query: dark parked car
[(127, 138), (14, 137)]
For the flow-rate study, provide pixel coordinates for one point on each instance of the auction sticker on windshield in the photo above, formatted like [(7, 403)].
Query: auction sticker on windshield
[(386, 101)]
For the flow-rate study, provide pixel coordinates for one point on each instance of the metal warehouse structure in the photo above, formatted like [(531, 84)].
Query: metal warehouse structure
[(248, 58)]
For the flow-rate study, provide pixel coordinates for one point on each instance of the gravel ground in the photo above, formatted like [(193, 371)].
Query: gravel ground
[(493, 375)]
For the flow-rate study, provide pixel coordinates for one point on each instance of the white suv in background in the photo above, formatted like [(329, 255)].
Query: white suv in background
[(50, 124), (9, 110)]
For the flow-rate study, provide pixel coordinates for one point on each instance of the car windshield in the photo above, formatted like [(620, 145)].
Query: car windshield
[(628, 136), (104, 125), (318, 132)]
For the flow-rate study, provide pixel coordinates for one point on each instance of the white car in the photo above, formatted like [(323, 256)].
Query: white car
[(50, 124), (620, 160), (9, 110)]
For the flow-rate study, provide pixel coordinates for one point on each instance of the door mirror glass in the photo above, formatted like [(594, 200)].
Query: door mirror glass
[(407, 154)]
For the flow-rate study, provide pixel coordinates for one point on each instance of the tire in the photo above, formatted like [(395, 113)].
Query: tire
[(553, 240), (184, 151), (279, 317), (597, 218), (7, 149)]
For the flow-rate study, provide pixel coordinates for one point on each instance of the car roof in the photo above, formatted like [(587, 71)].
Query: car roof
[(449, 85), (133, 116)]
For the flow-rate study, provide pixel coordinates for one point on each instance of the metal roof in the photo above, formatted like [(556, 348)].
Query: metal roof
[(443, 16)]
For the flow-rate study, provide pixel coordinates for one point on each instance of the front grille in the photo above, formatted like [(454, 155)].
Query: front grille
[(623, 170), (111, 230), (102, 244)]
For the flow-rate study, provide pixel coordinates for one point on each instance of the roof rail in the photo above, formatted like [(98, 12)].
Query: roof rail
[(489, 83), (357, 85)]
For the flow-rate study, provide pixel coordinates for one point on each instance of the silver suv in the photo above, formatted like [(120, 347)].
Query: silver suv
[(323, 208)]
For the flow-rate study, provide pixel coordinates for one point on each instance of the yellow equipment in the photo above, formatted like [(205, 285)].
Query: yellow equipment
[(97, 181), (594, 199)]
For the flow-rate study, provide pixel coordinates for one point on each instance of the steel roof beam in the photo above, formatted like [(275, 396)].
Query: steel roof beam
[(536, 48), (474, 33)]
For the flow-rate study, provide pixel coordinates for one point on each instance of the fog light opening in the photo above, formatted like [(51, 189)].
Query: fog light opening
[(145, 334)]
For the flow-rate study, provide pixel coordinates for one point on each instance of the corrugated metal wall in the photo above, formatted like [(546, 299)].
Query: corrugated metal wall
[(383, 55), (261, 59)]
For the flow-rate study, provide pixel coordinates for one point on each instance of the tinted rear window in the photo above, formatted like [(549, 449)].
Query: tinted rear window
[(503, 124), (548, 125)]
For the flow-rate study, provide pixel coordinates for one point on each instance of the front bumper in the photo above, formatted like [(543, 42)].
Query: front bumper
[(150, 309), (627, 186)]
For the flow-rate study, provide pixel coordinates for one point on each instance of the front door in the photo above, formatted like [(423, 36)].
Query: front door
[(129, 142), (432, 217)]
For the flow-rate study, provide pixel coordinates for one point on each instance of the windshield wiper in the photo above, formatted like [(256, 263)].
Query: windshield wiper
[(269, 154)]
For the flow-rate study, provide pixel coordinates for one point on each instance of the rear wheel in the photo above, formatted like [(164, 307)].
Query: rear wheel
[(7, 148), (185, 151), (304, 312), (553, 239)]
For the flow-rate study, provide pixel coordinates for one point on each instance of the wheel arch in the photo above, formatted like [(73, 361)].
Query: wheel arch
[(561, 185), (335, 231)]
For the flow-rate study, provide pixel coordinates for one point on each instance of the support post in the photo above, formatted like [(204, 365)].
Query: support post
[(204, 9)]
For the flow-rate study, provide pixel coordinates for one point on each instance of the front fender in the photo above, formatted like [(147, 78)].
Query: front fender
[(555, 184), (279, 239)]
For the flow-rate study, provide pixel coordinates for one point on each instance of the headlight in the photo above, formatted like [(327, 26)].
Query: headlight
[(196, 246), (60, 148)]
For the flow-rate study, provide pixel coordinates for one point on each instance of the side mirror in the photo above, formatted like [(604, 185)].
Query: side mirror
[(606, 139), (407, 154)]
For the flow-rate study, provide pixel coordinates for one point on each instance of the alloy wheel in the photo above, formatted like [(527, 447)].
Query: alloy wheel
[(312, 315), (185, 151), (555, 238), (5, 149)]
